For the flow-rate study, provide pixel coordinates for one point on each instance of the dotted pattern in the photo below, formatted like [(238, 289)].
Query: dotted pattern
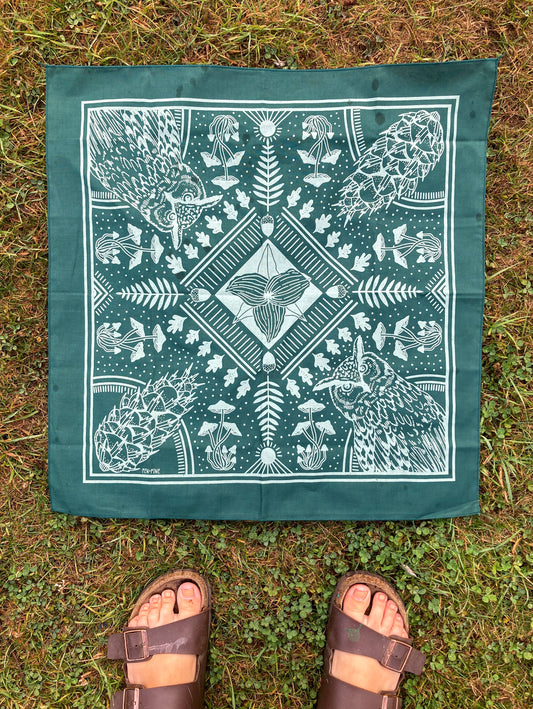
[(183, 348)]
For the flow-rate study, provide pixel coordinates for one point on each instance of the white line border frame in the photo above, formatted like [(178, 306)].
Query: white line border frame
[(448, 103)]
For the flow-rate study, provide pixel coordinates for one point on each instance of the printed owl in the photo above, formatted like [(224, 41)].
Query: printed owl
[(396, 425), (136, 154)]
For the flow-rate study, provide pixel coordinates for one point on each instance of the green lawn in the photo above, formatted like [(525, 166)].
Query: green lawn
[(69, 581)]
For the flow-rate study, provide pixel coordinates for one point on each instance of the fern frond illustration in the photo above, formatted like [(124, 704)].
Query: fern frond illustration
[(158, 293), (268, 180), (268, 401), (378, 291)]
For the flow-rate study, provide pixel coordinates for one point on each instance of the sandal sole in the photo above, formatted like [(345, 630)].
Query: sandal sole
[(376, 583)]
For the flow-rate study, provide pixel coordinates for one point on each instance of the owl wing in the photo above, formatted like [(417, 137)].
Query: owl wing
[(379, 444), (410, 428), (135, 153)]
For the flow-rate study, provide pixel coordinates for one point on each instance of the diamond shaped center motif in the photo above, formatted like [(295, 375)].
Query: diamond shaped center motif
[(281, 293), (268, 294)]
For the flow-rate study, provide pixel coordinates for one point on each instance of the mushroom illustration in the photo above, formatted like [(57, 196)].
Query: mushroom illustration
[(110, 245), (426, 246), (312, 456), (428, 337), (219, 456), (110, 339)]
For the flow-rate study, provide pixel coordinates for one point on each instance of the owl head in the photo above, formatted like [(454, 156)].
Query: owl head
[(181, 204), (361, 372)]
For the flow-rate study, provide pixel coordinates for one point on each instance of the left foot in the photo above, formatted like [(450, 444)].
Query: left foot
[(165, 670)]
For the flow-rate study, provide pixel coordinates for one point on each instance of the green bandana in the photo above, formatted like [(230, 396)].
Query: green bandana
[(266, 290)]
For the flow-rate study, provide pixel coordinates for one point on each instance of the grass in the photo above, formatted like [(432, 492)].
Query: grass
[(69, 581)]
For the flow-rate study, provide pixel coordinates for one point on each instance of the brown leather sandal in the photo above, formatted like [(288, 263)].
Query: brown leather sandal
[(189, 636), (345, 634)]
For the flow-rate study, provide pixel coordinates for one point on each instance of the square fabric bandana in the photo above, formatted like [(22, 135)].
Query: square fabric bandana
[(266, 290)]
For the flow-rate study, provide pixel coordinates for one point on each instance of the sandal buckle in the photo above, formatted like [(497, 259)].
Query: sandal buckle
[(396, 655), (135, 647), (135, 701), (391, 701)]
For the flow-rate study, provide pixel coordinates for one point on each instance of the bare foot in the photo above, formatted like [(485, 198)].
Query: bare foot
[(165, 670), (365, 672)]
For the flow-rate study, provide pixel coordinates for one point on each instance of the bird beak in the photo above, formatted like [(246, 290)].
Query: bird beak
[(326, 383), (176, 236), (329, 382), (208, 201), (358, 350)]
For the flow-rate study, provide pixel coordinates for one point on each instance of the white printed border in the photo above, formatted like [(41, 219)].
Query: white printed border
[(450, 104)]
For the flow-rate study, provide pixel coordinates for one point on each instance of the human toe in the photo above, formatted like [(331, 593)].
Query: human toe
[(154, 610), (141, 619), (168, 602), (389, 616), (398, 627), (356, 602), (189, 599), (377, 611)]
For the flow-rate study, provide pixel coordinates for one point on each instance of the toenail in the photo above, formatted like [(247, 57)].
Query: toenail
[(155, 599), (381, 597), (168, 593), (187, 591), (360, 593)]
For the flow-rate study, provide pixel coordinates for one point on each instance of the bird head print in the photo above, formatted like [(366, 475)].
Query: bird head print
[(180, 206), (358, 374), (396, 425), (137, 157)]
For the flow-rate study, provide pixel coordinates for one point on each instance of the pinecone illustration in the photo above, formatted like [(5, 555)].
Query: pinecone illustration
[(142, 422), (403, 155)]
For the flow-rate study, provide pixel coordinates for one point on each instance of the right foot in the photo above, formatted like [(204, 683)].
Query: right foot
[(366, 672)]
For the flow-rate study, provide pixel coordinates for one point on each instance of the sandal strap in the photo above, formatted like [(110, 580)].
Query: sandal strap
[(178, 696), (394, 653), (188, 636), (336, 693)]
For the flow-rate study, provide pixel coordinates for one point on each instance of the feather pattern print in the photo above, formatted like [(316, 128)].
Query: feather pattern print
[(402, 156), (136, 154), (396, 425)]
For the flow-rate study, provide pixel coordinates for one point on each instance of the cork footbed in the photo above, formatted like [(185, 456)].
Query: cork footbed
[(376, 583), (173, 581)]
